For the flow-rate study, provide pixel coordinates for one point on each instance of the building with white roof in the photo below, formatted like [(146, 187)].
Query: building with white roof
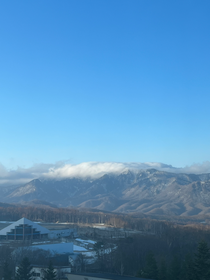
[(58, 248)]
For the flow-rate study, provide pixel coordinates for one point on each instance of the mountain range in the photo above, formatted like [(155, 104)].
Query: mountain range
[(146, 191)]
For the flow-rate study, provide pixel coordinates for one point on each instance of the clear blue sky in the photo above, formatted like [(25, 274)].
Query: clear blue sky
[(104, 80)]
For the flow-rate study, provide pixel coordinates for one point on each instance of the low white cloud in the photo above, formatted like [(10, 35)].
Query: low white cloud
[(88, 169), (22, 175), (196, 168)]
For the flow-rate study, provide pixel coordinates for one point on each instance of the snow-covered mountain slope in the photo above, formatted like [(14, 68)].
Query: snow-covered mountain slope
[(148, 191)]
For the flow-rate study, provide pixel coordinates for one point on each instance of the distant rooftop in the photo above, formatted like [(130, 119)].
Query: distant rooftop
[(59, 248), (109, 276)]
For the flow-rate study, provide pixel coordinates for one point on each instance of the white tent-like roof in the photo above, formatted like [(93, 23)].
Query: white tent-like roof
[(59, 248), (24, 221)]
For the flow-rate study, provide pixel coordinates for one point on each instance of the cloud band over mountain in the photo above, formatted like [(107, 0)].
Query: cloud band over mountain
[(88, 169)]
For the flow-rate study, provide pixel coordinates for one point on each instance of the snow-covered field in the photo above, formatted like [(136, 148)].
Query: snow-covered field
[(7, 222), (86, 242), (79, 249), (41, 242), (102, 227)]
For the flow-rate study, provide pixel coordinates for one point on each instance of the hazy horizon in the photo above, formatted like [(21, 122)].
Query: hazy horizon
[(61, 170)]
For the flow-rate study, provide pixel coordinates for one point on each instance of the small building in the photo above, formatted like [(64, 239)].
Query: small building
[(24, 229)]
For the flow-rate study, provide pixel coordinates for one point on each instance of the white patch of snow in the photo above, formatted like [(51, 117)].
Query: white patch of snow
[(79, 249)]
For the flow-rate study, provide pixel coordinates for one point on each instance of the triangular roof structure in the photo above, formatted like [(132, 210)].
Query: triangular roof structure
[(24, 221)]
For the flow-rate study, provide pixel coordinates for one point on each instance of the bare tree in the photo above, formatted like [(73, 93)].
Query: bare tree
[(80, 263)]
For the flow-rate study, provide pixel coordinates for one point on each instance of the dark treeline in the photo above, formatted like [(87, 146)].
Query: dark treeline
[(132, 253), (192, 267), (24, 269), (90, 217), (153, 258)]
